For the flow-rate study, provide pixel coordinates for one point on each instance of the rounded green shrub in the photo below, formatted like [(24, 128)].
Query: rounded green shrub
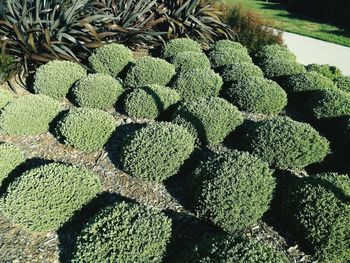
[(285, 143), (86, 129), (97, 91), (343, 83), (44, 198), (330, 104), (209, 119), (175, 46), (111, 59), (220, 58), (149, 71), (124, 232), (222, 249), (5, 98), (197, 83), (274, 51), (257, 95), (28, 115), (308, 81), (239, 70), (156, 151), (55, 78), (224, 44), (150, 101), (317, 206), (11, 157), (233, 189), (190, 60), (328, 71)]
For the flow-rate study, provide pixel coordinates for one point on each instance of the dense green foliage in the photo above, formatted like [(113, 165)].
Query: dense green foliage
[(224, 44), (86, 129), (44, 198), (308, 81), (97, 91), (197, 83), (55, 78), (318, 208), (257, 95), (8, 67), (223, 57), (111, 59), (179, 45), (285, 143), (223, 249), (343, 83), (328, 71), (157, 151), (124, 232), (5, 98), (150, 101), (28, 115), (233, 189), (190, 60), (330, 104), (209, 119), (236, 71), (149, 71), (11, 157)]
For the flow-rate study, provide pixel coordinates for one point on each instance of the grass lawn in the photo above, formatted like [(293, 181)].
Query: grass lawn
[(295, 23)]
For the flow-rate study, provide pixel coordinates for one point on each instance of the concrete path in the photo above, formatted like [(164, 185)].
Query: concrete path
[(309, 50)]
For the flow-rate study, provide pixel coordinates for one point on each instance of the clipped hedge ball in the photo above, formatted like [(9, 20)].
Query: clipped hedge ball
[(225, 44), (44, 198), (228, 56), (343, 83), (233, 189), (28, 115), (150, 101), (5, 98), (198, 83), (239, 70), (157, 151), (210, 120), (111, 59), (275, 50), (257, 95), (318, 208), (285, 143), (190, 60), (175, 46), (330, 104), (11, 157), (150, 71), (124, 232), (98, 91), (55, 78), (86, 129), (328, 71), (222, 249), (308, 81)]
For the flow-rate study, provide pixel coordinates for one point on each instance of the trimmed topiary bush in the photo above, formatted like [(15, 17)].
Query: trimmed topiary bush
[(44, 198), (157, 151), (150, 101), (343, 83), (223, 249), (239, 70), (190, 60), (124, 232), (175, 46), (5, 98), (279, 52), (97, 91), (233, 189), (28, 115), (86, 129), (228, 56), (11, 157), (111, 59), (257, 95), (55, 78), (224, 44), (330, 104), (285, 143), (328, 71), (317, 207), (149, 71), (198, 83), (210, 120)]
